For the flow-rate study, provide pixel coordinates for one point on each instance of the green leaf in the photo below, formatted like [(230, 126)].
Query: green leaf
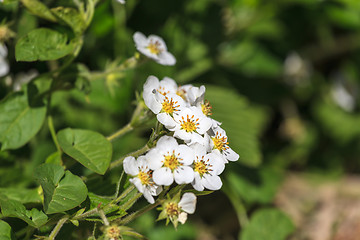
[(60, 195), (71, 17), (269, 224), (19, 121), (242, 122), (89, 148), (42, 44), (22, 195), (39, 9), (5, 231), (13, 208)]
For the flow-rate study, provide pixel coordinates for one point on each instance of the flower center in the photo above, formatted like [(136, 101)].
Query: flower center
[(145, 177), (162, 91), (113, 232), (190, 124), (169, 106), (220, 142), (201, 166), (172, 161), (154, 47), (206, 108), (181, 92), (172, 210)]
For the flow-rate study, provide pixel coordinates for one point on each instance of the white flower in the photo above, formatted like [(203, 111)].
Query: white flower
[(188, 203), (4, 66), (121, 1), (142, 174), (207, 167), (171, 161), (155, 91), (176, 209), (191, 123), (153, 47), (218, 143)]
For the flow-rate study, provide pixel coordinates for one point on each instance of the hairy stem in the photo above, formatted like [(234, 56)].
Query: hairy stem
[(57, 228), (120, 132)]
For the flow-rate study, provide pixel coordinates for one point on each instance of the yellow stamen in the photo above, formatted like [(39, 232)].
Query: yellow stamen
[(190, 124), (145, 177), (220, 142), (154, 47), (172, 210), (202, 167), (169, 106), (206, 108), (172, 161)]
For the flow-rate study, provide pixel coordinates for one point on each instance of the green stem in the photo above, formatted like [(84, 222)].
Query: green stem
[(238, 205), (57, 228), (120, 132), (103, 217), (53, 133), (131, 201), (124, 193), (86, 214), (140, 212), (134, 154)]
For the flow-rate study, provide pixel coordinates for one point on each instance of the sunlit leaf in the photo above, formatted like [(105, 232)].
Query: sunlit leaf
[(71, 17), (60, 194), (89, 148), (42, 44), (39, 9)]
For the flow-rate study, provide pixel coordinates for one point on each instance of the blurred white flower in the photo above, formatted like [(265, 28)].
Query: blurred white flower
[(4, 66), (296, 70), (153, 47), (218, 143), (121, 1), (344, 93), (142, 177), (207, 168), (171, 161)]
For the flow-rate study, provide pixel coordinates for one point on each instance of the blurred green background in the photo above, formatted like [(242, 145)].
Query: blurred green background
[(282, 76)]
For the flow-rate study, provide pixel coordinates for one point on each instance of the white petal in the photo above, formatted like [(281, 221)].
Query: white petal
[(186, 153), (148, 196), (199, 149), (154, 158), (169, 84), (130, 166), (211, 182), (166, 143), (184, 175), (159, 40), (217, 163), (197, 138), (182, 217), (166, 58), (4, 67), (182, 134), (140, 40), (231, 155), (188, 203), (138, 184), (3, 50), (196, 183), (204, 125), (166, 120), (163, 176)]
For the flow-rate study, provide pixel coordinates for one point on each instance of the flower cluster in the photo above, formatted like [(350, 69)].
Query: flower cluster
[(194, 151), (198, 149)]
